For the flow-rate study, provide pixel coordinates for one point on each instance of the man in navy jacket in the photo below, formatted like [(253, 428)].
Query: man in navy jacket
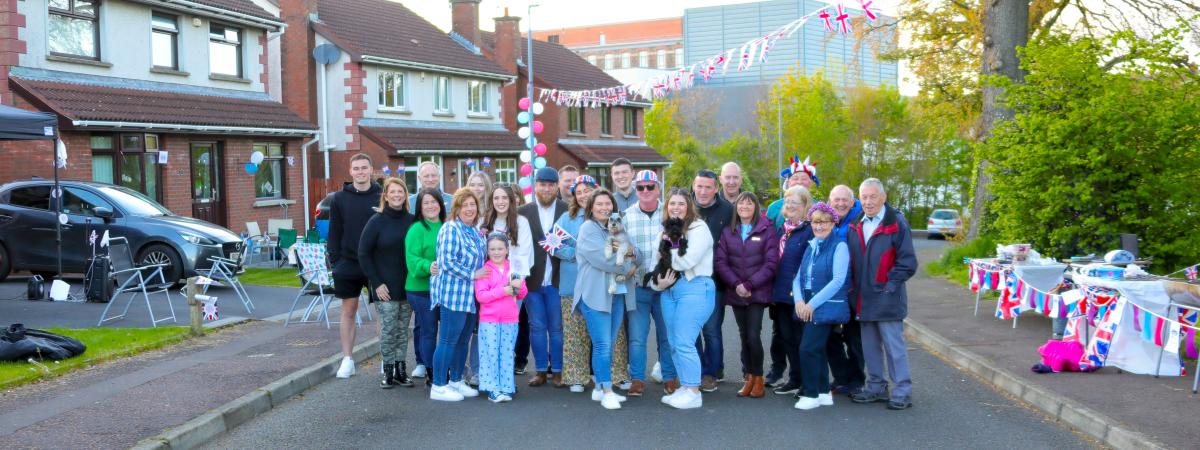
[(881, 261)]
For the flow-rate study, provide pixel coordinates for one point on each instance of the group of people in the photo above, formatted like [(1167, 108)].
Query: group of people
[(578, 274)]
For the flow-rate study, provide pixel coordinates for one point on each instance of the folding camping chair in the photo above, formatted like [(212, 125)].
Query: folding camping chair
[(132, 279), (314, 271), (259, 241), (226, 271)]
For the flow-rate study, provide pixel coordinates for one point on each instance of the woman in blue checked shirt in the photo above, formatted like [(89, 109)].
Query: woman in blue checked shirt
[(460, 257)]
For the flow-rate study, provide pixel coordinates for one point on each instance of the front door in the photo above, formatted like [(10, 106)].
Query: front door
[(207, 192)]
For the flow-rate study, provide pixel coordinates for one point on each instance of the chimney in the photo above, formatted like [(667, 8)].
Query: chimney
[(299, 85), (508, 41), (465, 15)]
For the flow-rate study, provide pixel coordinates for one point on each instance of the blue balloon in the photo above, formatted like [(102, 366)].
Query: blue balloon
[(540, 162), (523, 117), (251, 168), (530, 142), (524, 183)]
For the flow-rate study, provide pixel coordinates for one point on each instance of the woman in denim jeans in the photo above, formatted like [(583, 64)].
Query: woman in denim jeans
[(820, 284), (420, 255), (690, 301)]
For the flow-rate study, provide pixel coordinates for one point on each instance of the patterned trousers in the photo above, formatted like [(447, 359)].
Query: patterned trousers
[(393, 334), (577, 349), (496, 344)]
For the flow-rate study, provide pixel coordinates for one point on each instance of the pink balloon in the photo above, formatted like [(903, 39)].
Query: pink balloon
[(524, 104), (540, 149), (538, 127), (528, 190), (526, 169)]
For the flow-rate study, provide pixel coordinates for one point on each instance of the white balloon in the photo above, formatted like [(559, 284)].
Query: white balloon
[(523, 133), (524, 157), (257, 157), (538, 108)]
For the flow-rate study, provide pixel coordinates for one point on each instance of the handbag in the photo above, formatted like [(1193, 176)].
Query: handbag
[(832, 312)]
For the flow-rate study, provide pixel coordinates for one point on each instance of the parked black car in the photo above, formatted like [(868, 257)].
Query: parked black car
[(155, 234)]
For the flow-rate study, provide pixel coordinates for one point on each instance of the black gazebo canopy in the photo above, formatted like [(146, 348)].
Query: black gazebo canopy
[(17, 124)]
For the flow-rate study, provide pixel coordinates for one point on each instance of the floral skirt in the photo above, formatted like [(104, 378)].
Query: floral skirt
[(577, 349)]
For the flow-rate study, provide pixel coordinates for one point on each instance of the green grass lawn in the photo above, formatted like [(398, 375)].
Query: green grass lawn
[(951, 265), (103, 344), (282, 277)]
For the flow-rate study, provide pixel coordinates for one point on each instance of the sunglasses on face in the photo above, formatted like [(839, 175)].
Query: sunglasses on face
[(646, 187)]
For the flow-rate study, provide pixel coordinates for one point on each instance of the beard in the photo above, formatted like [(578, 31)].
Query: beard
[(546, 198)]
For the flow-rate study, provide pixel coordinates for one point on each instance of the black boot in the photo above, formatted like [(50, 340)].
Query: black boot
[(389, 376), (400, 371)]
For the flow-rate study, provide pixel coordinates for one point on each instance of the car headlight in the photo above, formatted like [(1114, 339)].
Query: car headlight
[(195, 239)]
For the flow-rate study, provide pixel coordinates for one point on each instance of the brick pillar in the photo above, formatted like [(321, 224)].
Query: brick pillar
[(11, 46), (355, 81), (506, 53), (465, 19), (298, 80)]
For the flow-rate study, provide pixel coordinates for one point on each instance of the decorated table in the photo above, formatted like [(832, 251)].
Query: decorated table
[(1032, 286)]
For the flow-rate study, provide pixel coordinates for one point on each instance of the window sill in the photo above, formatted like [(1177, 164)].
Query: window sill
[(443, 114), (169, 71), (273, 202), (605, 135), (406, 112), (480, 116), (628, 136), (576, 133), (220, 77), (73, 60)]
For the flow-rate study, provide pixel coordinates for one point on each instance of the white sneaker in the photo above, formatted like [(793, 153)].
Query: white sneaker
[(807, 403), (825, 399), (598, 395), (656, 373), (666, 399), (463, 389), (686, 399), (445, 393), (347, 368), (577, 388), (611, 401), (419, 371), (625, 386)]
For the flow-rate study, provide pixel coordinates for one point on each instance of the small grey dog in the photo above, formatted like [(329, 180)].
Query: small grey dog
[(618, 245)]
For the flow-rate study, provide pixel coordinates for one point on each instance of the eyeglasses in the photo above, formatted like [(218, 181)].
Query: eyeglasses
[(705, 173), (646, 187), (822, 222)]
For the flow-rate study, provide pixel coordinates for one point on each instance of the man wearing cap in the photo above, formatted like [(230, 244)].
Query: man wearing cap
[(542, 304), (643, 223), (622, 177), (796, 174), (716, 213)]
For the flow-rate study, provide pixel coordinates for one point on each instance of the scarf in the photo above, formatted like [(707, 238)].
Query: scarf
[(788, 228)]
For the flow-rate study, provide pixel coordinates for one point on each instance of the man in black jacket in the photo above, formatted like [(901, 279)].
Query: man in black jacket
[(543, 303), (881, 261), (716, 213), (349, 212)]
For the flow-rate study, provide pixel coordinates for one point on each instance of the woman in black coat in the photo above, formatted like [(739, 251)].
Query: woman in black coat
[(381, 255)]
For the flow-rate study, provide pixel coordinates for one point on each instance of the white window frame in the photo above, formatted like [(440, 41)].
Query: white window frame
[(477, 98), (506, 170), (643, 59), (443, 97), (172, 32), (401, 103), (661, 59), (625, 60), (610, 61), (240, 47), (591, 59), (679, 57)]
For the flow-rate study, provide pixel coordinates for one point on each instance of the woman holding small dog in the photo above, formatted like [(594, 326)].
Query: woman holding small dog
[(688, 295), (746, 258), (601, 310)]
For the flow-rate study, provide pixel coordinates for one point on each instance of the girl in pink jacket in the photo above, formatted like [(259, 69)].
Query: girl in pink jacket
[(498, 293)]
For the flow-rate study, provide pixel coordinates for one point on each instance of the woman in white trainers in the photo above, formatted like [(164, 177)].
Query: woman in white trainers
[(820, 291), (689, 295), (460, 257)]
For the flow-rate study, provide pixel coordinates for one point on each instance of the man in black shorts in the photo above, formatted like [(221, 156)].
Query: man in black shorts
[(348, 214)]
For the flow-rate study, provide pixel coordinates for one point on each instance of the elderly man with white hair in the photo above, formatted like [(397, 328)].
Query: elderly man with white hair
[(882, 260), (731, 181), (844, 348)]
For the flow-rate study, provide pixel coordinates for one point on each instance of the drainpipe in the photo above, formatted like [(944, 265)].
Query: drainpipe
[(304, 167), (324, 121)]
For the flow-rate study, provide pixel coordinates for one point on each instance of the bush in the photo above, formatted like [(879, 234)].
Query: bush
[(951, 265)]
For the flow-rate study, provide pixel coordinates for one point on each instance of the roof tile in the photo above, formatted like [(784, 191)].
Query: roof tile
[(426, 139), (559, 67), (608, 153)]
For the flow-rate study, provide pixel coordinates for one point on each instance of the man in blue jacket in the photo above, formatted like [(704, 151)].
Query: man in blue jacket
[(881, 261), (845, 342)]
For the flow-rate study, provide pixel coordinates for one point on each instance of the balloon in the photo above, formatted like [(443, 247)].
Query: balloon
[(523, 133), (540, 162), (540, 149), (528, 194), (523, 117), (525, 182), (524, 104), (525, 157), (256, 157), (537, 109), (538, 127), (251, 168), (526, 169)]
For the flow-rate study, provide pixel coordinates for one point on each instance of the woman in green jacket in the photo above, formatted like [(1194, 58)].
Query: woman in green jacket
[(420, 249)]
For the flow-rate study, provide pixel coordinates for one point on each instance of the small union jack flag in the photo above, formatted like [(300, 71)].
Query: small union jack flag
[(555, 240), (1190, 272), (843, 20), (487, 161), (210, 310), (869, 10), (826, 19)]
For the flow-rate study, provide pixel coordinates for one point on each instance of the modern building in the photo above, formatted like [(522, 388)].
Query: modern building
[(169, 98), (629, 51)]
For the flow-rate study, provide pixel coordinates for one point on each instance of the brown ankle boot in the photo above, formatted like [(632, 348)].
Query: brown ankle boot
[(538, 379), (746, 388), (759, 388)]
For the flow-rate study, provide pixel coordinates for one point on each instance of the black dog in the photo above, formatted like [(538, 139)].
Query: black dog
[(675, 236)]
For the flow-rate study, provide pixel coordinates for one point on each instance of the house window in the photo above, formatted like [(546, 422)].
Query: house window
[(506, 170), (609, 60), (129, 160), (74, 28), (643, 59), (478, 97), (391, 90), (605, 120), (679, 57), (631, 122), (442, 100), (271, 177), (164, 38), (591, 59), (224, 50), (660, 59), (575, 119), (625, 61), (601, 175)]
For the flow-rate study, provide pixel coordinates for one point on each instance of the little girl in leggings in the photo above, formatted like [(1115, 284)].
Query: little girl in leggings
[(498, 293)]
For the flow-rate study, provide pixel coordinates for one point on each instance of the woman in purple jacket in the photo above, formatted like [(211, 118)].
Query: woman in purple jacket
[(745, 260)]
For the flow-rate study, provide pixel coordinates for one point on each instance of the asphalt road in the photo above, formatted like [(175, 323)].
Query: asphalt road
[(952, 410)]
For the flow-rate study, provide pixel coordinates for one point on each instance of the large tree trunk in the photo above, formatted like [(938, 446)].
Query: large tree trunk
[(1005, 27)]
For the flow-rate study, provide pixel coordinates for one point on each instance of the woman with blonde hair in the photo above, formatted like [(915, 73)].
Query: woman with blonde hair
[(794, 234), (381, 255)]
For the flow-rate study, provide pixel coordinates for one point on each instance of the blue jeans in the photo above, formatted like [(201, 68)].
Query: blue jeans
[(814, 362), (686, 307), (602, 328), (545, 318), (451, 352), (712, 356), (425, 330), (649, 304)]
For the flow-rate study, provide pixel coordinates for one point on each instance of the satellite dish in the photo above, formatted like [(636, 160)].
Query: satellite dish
[(326, 53)]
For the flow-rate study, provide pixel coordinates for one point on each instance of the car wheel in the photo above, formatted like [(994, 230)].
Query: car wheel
[(163, 254), (5, 263)]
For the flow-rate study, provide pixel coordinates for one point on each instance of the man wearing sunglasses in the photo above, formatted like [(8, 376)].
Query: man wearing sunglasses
[(716, 213), (643, 222)]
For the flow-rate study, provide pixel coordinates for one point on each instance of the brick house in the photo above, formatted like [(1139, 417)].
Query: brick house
[(402, 91), (176, 118), (588, 138)]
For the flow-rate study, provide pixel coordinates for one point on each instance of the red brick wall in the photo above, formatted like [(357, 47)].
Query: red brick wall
[(10, 46), (263, 58), (298, 77)]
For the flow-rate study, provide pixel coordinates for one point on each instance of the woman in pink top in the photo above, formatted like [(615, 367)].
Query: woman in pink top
[(498, 293)]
